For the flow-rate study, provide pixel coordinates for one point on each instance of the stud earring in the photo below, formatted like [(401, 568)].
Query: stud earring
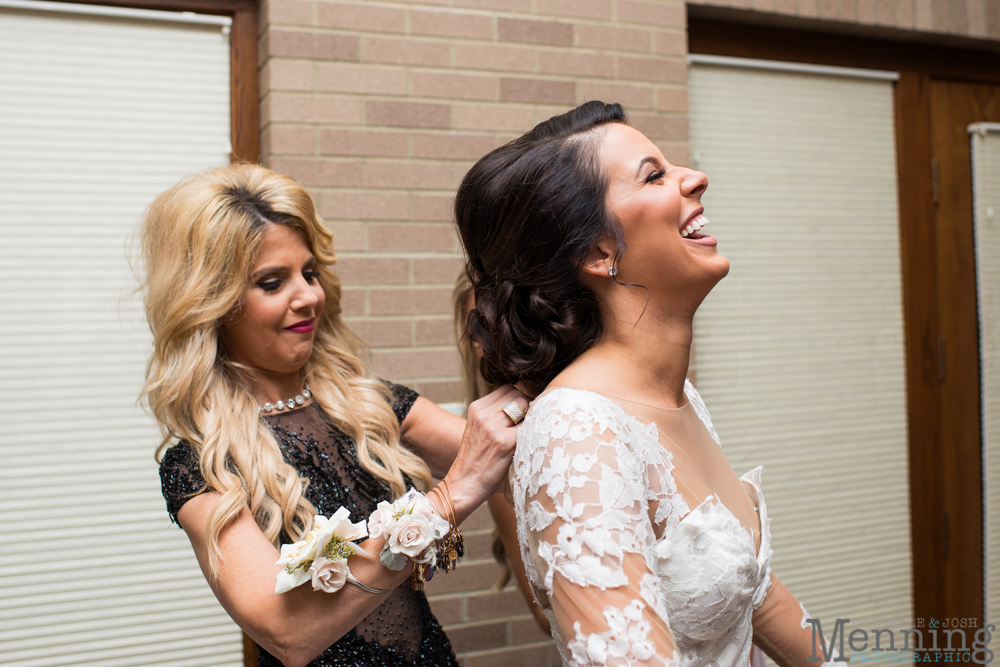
[(613, 271)]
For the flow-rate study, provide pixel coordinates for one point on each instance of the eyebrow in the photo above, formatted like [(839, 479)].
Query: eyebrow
[(643, 161), (278, 269)]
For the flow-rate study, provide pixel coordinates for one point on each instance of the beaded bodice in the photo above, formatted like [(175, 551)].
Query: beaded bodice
[(400, 631)]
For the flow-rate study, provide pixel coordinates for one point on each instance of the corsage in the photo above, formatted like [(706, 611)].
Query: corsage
[(410, 527), (322, 555)]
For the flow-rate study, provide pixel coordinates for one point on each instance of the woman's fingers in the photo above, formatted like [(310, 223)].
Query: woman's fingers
[(492, 405), (489, 441)]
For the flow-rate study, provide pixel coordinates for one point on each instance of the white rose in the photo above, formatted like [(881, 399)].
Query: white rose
[(328, 575), (295, 560), (413, 533), (411, 500), (381, 521), (285, 581), (338, 525)]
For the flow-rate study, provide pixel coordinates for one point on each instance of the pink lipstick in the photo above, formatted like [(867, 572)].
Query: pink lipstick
[(305, 326)]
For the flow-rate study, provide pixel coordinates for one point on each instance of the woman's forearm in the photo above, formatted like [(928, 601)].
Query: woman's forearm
[(295, 626)]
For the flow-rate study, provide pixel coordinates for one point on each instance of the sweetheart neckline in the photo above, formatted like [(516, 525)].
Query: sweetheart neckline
[(758, 550)]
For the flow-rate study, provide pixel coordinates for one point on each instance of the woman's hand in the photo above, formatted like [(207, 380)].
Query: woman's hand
[(486, 450)]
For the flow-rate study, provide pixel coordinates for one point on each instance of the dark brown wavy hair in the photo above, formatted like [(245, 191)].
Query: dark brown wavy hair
[(528, 213)]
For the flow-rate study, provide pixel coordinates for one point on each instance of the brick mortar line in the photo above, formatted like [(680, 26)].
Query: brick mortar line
[(502, 649), (612, 22), (463, 625), (452, 40)]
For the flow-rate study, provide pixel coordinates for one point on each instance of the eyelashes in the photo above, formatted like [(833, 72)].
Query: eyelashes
[(275, 284), (656, 175)]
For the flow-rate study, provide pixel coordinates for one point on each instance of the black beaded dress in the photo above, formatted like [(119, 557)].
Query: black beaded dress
[(402, 630)]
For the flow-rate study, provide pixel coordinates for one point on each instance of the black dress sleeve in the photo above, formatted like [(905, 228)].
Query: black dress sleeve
[(180, 477), (403, 399)]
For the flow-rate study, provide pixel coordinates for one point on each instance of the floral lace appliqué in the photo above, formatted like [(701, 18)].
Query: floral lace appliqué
[(625, 642)]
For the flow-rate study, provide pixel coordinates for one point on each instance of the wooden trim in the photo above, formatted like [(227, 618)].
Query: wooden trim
[(726, 38), (244, 86), (939, 292), (244, 75), (920, 316)]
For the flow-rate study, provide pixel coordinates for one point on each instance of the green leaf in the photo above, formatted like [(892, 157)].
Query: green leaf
[(392, 561)]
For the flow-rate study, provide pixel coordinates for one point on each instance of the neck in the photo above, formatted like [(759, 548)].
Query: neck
[(269, 387), (643, 356)]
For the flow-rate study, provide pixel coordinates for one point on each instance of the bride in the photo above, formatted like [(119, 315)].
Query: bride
[(641, 543)]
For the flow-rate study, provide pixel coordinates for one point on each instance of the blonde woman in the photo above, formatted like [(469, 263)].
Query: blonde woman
[(269, 418)]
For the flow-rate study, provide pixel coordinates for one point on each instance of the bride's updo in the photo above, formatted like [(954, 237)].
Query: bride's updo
[(528, 213)]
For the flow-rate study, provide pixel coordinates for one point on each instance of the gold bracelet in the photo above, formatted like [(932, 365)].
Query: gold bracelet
[(452, 545)]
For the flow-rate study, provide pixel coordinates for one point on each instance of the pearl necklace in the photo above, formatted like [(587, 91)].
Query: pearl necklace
[(289, 404)]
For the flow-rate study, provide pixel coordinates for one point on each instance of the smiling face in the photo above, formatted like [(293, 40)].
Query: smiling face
[(273, 327), (659, 208)]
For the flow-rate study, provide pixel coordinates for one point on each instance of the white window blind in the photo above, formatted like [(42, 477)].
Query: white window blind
[(799, 351), (986, 193), (98, 114)]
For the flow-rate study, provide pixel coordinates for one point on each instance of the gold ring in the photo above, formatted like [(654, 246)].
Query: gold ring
[(514, 411)]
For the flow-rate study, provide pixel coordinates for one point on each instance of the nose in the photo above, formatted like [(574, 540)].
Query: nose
[(305, 296), (693, 183)]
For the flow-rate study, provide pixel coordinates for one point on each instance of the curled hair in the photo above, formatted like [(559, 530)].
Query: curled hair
[(528, 213), (199, 241)]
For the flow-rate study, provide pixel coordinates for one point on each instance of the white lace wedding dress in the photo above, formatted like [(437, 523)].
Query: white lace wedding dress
[(626, 571)]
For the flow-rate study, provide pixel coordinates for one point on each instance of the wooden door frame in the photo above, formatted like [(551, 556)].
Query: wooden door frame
[(243, 71), (933, 404), (244, 109)]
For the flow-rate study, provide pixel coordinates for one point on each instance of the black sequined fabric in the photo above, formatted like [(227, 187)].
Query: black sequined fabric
[(402, 630)]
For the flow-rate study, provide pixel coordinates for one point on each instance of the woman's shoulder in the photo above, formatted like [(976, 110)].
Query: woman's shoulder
[(403, 399), (569, 406), (180, 476)]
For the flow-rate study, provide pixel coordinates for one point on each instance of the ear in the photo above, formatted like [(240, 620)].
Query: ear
[(599, 260)]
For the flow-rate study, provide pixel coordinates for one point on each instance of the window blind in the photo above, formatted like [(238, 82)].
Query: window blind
[(986, 194), (799, 351), (98, 114)]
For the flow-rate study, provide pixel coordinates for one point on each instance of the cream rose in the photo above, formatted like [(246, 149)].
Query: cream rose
[(381, 521), (413, 533), (328, 576)]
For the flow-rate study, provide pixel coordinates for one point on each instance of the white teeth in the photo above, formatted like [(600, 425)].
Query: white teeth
[(684, 232), (695, 224), (703, 220), (689, 229)]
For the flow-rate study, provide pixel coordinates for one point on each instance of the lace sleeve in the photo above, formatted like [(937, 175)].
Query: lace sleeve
[(180, 477), (583, 515)]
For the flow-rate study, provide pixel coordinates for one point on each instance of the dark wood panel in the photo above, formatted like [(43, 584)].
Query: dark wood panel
[(953, 107), (744, 40), (920, 315), (225, 7), (244, 87)]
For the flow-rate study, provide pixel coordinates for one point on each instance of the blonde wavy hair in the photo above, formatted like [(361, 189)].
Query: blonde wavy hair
[(199, 242)]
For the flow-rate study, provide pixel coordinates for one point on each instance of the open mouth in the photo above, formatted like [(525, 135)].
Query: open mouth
[(690, 231)]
